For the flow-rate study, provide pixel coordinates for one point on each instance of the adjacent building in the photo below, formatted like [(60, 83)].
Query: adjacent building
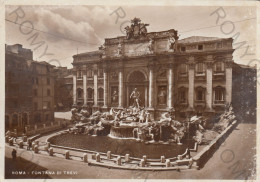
[(63, 88), (244, 99), (29, 88), (192, 75)]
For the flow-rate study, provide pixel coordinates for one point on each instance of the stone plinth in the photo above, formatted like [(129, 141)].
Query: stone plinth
[(144, 158), (168, 163), (51, 151), (127, 158), (109, 154), (67, 155), (21, 144), (97, 157), (36, 149), (142, 163), (11, 142), (118, 161), (85, 157), (162, 159), (48, 144)]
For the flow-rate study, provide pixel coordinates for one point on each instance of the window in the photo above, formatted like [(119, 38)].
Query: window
[(46, 117), (35, 106), (90, 93), (47, 105), (79, 74), (219, 67), (182, 95), (48, 81), (100, 93), (90, 73), (219, 94), (183, 70), (200, 68), (200, 47), (183, 49), (47, 69), (79, 93), (48, 92), (200, 94), (35, 92)]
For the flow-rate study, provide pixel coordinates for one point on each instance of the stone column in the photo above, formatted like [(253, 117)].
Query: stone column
[(151, 87), (146, 96), (229, 82), (105, 88), (74, 89), (170, 86), (209, 86), (95, 88), (19, 120), (191, 84), (28, 118), (85, 88), (121, 88)]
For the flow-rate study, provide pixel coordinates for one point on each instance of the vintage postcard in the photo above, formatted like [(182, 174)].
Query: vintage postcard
[(137, 90)]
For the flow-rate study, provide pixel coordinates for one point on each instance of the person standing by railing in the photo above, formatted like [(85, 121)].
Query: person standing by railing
[(29, 144), (14, 154)]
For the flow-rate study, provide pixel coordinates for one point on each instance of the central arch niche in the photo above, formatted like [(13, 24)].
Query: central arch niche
[(137, 79)]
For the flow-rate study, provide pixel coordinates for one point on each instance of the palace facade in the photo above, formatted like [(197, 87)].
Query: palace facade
[(29, 89), (192, 75)]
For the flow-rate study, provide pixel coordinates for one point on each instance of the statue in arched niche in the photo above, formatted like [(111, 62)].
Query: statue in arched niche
[(135, 95), (171, 43), (162, 95), (119, 49), (150, 45)]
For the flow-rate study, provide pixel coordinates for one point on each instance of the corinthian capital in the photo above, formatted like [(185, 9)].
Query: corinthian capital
[(229, 64)]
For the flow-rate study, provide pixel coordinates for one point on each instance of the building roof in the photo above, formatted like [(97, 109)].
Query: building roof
[(43, 63), (245, 66), (194, 39), (98, 52)]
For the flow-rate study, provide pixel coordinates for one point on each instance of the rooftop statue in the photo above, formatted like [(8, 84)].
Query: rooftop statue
[(136, 29)]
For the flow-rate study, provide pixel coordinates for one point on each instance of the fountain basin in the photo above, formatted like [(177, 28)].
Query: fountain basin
[(122, 131), (120, 146)]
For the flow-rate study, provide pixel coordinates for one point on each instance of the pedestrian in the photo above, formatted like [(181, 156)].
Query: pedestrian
[(14, 154)]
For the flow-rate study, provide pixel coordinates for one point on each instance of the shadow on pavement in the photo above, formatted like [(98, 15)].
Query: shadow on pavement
[(23, 169)]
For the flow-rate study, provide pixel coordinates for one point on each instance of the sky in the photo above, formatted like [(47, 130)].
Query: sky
[(67, 30)]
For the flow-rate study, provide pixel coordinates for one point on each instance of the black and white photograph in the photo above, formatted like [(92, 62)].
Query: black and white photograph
[(130, 91)]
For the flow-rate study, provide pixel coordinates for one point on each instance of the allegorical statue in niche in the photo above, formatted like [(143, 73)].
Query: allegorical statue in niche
[(135, 96), (150, 45), (119, 49), (114, 97), (171, 43), (162, 96)]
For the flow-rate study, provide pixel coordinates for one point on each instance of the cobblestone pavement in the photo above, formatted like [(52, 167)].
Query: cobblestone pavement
[(233, 160)]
